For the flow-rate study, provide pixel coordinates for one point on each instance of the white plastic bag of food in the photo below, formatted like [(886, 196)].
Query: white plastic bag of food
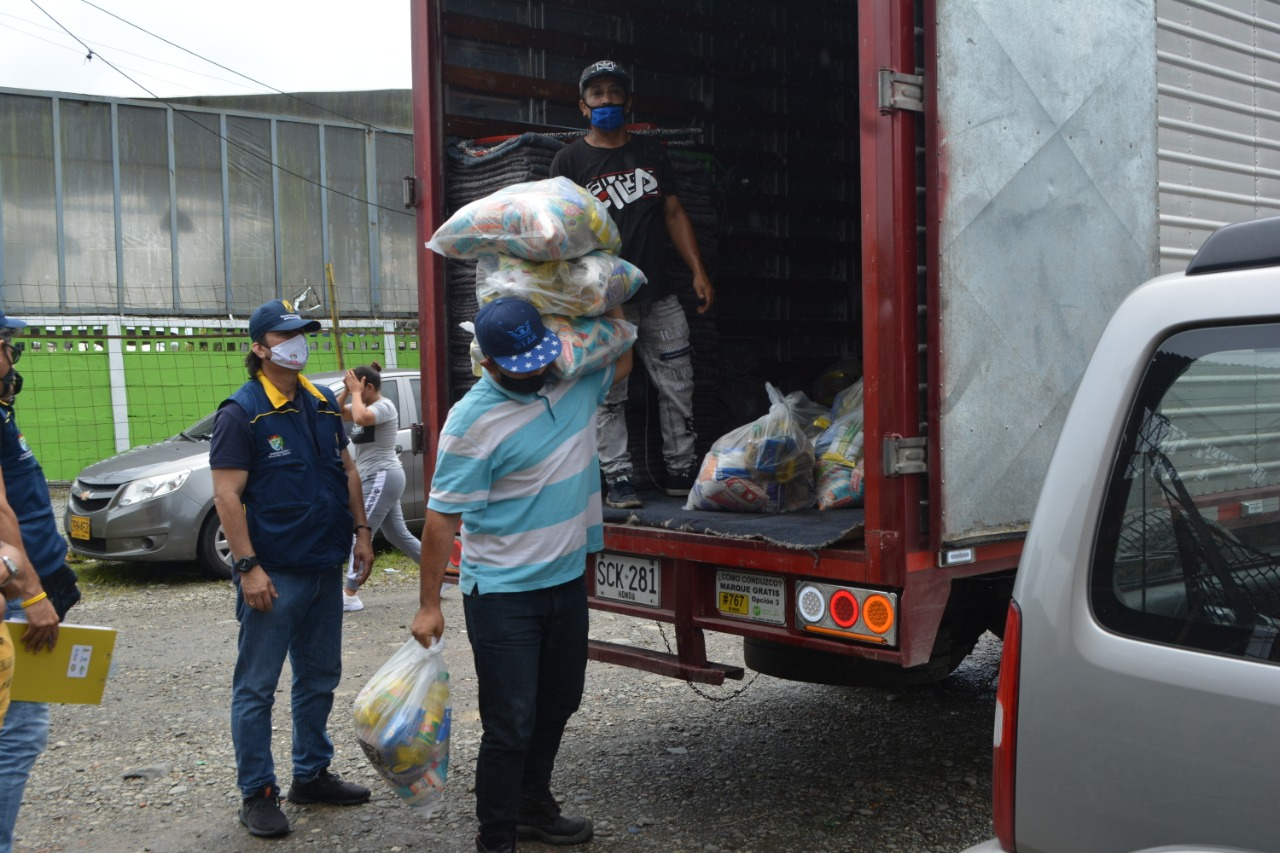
[(586, 344), (580, 287), (839, 470), (545, 220), (403, 719), (764, 466)]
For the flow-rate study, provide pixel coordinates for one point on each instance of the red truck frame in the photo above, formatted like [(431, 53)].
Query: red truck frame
[(897, 553)]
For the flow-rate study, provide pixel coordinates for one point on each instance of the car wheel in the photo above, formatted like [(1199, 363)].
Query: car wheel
[(213, 553)]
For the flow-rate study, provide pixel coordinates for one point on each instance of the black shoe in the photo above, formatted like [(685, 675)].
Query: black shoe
[(495, 844), (679, 483), (328, 788), (262, 816), (540, 818), (562, 830), (622, 495)]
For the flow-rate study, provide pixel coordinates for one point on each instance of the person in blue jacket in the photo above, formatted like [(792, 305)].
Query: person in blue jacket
[(289, 499), (47, 583)]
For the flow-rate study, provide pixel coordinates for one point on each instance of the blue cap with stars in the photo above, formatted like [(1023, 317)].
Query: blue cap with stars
[(510, 332)]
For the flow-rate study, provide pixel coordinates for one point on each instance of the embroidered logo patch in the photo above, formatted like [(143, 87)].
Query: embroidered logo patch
[(276, 442), (522, 335)]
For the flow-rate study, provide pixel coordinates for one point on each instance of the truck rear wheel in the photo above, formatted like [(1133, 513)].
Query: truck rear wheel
[(798, 664)]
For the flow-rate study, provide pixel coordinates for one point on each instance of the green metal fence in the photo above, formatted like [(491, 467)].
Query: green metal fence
[(91, 390)]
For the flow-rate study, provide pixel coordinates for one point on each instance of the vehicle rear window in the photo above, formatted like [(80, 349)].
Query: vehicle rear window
[(1188, 549)]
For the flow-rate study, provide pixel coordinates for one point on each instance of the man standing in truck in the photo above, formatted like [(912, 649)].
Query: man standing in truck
[(632, 176), (517, 466)]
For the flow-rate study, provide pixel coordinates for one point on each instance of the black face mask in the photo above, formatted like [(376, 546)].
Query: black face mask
[(530, 384), (12, 384)]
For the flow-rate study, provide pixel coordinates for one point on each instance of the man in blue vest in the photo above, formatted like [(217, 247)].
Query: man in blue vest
[(47, 585), (289, 499)]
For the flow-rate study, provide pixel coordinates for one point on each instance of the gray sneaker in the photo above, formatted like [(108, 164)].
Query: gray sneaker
[(622, 495)]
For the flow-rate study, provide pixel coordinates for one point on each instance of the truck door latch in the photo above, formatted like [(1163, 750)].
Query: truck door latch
[(900, 91), (904, 456)]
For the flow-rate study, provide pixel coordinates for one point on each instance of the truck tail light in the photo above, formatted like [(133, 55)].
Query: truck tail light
[(848, 612), (878, 613), (844, 608), (1005, 742)]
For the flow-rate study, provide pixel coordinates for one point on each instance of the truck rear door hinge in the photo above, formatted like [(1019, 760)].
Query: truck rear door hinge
[(900, 91), (904, 456)]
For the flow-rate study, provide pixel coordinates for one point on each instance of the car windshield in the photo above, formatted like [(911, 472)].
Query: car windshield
[(201, 430)]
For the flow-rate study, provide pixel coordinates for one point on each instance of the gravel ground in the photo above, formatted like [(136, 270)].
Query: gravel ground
[(656, 765)]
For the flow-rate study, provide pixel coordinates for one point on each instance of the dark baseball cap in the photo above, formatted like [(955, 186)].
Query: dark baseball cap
[(603, 68), (7, 322), (279, 316), (510, 332)]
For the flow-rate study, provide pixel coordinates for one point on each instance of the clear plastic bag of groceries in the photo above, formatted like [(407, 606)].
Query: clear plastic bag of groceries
[(764, 466), (547, 220), (579, 287), (586, 344), (840, 472), (403, 720)]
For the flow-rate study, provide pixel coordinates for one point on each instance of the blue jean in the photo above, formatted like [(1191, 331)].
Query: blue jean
[(530, 651), (24, 735), (382, 493), (306, 624), (662, 342)]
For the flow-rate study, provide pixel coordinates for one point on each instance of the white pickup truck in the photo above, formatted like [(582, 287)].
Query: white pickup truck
[(1139, 698)]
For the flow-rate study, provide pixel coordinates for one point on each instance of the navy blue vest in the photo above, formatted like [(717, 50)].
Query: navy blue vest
[(28, 495), (296, 499)]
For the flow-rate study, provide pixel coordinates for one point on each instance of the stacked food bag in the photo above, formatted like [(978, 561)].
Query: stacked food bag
[(797, 454), (554, 245), (839, 449), (764, 466), (402, 720)]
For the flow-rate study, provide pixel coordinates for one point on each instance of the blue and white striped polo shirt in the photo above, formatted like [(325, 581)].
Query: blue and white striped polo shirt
[(524, 473)]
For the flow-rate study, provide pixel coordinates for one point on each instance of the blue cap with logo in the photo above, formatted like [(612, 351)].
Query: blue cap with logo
[(510, 332), (279, 316), (7, 322)]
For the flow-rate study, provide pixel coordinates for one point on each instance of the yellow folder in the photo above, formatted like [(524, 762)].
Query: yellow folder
[(74, 672)]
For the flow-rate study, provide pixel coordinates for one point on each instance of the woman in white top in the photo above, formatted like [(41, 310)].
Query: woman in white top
[(373, 447)]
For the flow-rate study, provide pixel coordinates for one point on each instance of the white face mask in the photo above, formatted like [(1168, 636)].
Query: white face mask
[(292, 353)]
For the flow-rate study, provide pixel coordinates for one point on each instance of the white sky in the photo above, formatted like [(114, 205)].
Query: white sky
[(289, 45)]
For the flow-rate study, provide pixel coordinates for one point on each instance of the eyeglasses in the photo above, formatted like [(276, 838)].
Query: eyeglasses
[(15, 351)]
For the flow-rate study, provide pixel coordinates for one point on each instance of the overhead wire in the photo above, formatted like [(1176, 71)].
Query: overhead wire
[(232, 70), (138, 71), (177, 108)]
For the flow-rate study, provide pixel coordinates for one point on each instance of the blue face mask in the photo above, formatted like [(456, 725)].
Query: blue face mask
[(608, 117)]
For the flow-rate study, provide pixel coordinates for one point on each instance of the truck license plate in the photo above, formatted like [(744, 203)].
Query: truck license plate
[(760, 598), (79, 527), (635, 580)]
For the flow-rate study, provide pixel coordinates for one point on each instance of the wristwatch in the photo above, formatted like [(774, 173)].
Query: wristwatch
[(13, 570), (246, 564)]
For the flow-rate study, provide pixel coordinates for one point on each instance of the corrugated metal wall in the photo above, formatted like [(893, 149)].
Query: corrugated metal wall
[(137, 208), (1219, 105)]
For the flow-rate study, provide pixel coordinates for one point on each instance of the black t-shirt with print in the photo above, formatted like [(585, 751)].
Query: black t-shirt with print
[(631, 181)]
